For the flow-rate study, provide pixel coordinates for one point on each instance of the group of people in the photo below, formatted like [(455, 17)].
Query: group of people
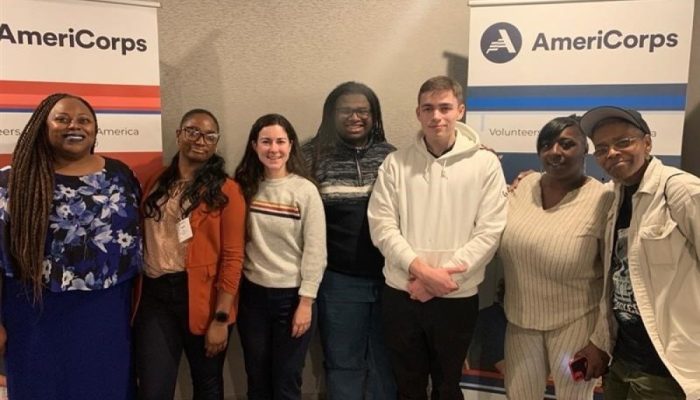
[(200, 250), (382, 249), (596, 272)]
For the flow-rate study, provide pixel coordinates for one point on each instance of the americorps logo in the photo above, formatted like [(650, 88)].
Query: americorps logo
[(501, 42)]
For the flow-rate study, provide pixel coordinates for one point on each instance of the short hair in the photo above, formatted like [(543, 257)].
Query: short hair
[(438, 83), (552, 129), (199, 111)]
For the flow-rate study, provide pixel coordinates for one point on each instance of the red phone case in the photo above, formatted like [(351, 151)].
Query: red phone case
[(578, 368)]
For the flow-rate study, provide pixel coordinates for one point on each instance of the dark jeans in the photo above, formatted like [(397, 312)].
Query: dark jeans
[(161, 333), (428, 339), (274, 360), (356, 361)]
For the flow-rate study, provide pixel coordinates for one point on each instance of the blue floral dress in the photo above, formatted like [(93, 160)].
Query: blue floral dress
[(80, 329)]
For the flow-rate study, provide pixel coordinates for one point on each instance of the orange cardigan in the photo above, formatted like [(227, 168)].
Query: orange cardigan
[(214, 258)]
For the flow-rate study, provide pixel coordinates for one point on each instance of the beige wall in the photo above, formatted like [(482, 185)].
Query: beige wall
[(242, 59)]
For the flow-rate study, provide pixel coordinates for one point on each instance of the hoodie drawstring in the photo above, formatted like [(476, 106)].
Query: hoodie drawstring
[(428, 166)]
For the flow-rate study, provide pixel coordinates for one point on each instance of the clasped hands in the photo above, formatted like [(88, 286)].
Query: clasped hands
[(426, 282)]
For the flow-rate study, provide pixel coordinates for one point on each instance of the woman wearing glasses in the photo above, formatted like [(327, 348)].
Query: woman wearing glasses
[(194, 228), (553, 268), (285, 260), (652, 270)]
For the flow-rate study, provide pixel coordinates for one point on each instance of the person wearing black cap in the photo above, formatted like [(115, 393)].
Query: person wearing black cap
[(652, 279)]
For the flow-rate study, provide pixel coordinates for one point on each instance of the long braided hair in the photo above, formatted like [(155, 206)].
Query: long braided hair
[(326, 137), (205, 187), (30, 192)]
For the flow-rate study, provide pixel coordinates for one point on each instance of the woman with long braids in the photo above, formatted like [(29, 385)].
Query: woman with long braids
[(285, 260), (71, 244), (194, 227)]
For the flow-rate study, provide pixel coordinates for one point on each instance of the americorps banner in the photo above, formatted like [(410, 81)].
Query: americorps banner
[(106, 52), (530, 63)]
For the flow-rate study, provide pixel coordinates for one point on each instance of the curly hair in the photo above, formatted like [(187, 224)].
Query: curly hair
[(205, 187), (250, 171), (30, 193)]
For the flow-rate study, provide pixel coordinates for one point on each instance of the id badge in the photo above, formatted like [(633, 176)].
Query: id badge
[(184, 230)]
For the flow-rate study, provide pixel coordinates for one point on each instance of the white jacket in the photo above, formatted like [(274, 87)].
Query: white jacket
[(663, 242), (448, 210)]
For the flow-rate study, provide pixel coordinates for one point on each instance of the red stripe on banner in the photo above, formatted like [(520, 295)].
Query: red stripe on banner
[(20, 95), (478, 372), (92, 89), (144, 164), (23, 101)]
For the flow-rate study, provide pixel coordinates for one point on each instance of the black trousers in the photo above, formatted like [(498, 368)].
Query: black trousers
[(161, 333), (274, 360), (428, 340)]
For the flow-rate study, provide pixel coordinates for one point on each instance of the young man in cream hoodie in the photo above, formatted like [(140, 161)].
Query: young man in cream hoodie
[(436, 213)]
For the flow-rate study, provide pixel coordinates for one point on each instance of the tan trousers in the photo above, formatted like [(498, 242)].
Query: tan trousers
[(532, 356)]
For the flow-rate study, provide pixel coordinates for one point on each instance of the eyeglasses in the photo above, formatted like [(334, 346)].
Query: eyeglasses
[(622, 144), (193, 135), (347, 112)]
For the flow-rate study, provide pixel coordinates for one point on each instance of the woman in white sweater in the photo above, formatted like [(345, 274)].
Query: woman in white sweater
[(284, 263), (553, 271)]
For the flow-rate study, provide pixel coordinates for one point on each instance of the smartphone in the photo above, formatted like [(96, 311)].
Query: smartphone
[(578, 367)]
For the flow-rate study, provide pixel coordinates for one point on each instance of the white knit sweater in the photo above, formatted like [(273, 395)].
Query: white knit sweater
[(286, 245), (552, 258)]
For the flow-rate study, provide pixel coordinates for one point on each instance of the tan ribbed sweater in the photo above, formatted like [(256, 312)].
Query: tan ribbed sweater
[(551, 258)]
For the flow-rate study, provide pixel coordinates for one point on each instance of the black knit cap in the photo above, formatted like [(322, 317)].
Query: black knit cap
[(592, 118)]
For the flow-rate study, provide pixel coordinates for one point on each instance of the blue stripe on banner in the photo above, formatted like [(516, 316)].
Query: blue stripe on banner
[(576, 97), (513, 163)]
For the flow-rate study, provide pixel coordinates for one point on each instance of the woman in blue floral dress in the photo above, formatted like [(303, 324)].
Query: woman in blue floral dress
[(71, 246)]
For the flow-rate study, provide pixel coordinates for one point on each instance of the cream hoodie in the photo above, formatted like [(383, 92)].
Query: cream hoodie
[(448, 210)]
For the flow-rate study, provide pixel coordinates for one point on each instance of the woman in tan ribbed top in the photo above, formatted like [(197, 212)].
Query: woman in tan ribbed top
[(553, 272)]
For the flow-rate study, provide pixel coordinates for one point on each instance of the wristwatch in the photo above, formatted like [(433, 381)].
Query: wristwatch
[(221, 316)]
